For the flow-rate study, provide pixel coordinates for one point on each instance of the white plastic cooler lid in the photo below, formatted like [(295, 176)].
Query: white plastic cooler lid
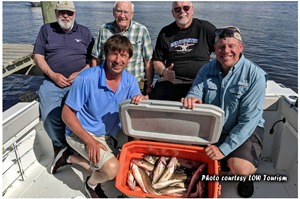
[(171, 122)]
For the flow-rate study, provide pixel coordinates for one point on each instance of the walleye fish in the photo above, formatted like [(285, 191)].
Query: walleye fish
[(164, 184), (200, 192), (179, 176), (196, 193), (143, 164), (150, 158), (189, 164), (159, 169), (147, 182), (179, 184), (169, 170), (174, 191), (138, 177), (130, 180), (196, 176)]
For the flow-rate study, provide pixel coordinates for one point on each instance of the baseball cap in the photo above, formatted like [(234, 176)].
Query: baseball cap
[(228, 31), (65, 5)]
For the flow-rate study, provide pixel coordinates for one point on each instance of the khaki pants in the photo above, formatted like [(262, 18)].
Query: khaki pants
[(108, 141)]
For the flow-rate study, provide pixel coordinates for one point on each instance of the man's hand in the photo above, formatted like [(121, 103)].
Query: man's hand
[(168, 73), (60, 80), (213, 152), (149, 89), (190, 102), (93, 149), (138, 98), (72, 77)]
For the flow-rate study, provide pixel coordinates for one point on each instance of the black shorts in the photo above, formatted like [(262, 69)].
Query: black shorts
[(250, 150), (172, 91)]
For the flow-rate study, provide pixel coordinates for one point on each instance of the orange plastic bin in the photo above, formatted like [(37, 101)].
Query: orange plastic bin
[(136, 149)]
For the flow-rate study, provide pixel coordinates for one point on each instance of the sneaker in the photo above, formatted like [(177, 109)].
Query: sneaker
[(97, 193), (57, 149), (245, 189), (60, 159)]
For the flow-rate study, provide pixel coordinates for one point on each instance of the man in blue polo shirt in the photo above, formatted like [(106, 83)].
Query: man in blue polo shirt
[(62, 50), (91, 113), (238, 86)]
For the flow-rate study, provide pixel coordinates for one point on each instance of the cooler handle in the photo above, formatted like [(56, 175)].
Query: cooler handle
[(219, 166), (219, 190)]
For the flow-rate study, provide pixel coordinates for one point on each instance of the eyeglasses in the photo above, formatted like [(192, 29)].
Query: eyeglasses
[(185, 8), (126, 13), (63, 12), (228, 31)]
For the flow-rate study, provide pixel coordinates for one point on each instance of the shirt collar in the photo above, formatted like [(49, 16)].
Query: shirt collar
[(112, 24), (239, 63)]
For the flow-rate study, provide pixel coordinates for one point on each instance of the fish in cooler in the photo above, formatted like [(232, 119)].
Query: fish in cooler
[(150, 158), (143, 180), (143, 164), (174, 191), (138, 176), (130, 180), (168, 180), (165, 183), (159, 169), (169, 170), (196, 177)]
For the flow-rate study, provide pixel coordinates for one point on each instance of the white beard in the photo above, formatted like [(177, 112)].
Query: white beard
[(65, 25), (183, 21)]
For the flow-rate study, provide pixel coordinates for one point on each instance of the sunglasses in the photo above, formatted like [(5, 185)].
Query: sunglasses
[(63, 12), (229, 30), (185, 8)]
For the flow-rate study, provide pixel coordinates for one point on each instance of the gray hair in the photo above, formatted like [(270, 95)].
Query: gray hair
[(132, 6), (176, 1)]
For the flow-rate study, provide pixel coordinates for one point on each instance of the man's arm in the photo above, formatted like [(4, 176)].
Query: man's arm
[(96, 61), (167, 73), (150, 75), (93, 146), (58, 78)]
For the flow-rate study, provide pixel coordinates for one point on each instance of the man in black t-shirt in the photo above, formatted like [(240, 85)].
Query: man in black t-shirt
[(182, 48)]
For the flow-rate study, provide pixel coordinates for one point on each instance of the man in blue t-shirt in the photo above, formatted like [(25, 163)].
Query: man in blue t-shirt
[(238, 86), (91, 113), (62, 50)]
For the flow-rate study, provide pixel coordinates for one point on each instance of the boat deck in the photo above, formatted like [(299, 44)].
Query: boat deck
[(16, 57), (68, 183)]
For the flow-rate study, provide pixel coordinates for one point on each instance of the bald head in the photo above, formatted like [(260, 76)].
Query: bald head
[(174, 4), (124, 2)]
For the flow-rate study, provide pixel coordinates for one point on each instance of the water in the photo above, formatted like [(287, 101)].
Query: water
[(269, 28)]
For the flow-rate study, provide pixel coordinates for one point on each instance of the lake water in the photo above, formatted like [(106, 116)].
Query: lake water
[(269, 28)]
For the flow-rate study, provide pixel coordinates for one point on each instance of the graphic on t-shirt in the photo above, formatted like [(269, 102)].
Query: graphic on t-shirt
[(183, 45)]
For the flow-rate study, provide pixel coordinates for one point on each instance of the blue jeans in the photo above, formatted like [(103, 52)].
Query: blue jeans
[(52, 100)]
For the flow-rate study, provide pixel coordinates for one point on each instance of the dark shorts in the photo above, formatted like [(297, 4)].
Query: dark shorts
[(250, 150), (173, 91)]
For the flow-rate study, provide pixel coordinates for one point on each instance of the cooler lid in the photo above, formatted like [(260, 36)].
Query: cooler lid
[(171, 122)]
